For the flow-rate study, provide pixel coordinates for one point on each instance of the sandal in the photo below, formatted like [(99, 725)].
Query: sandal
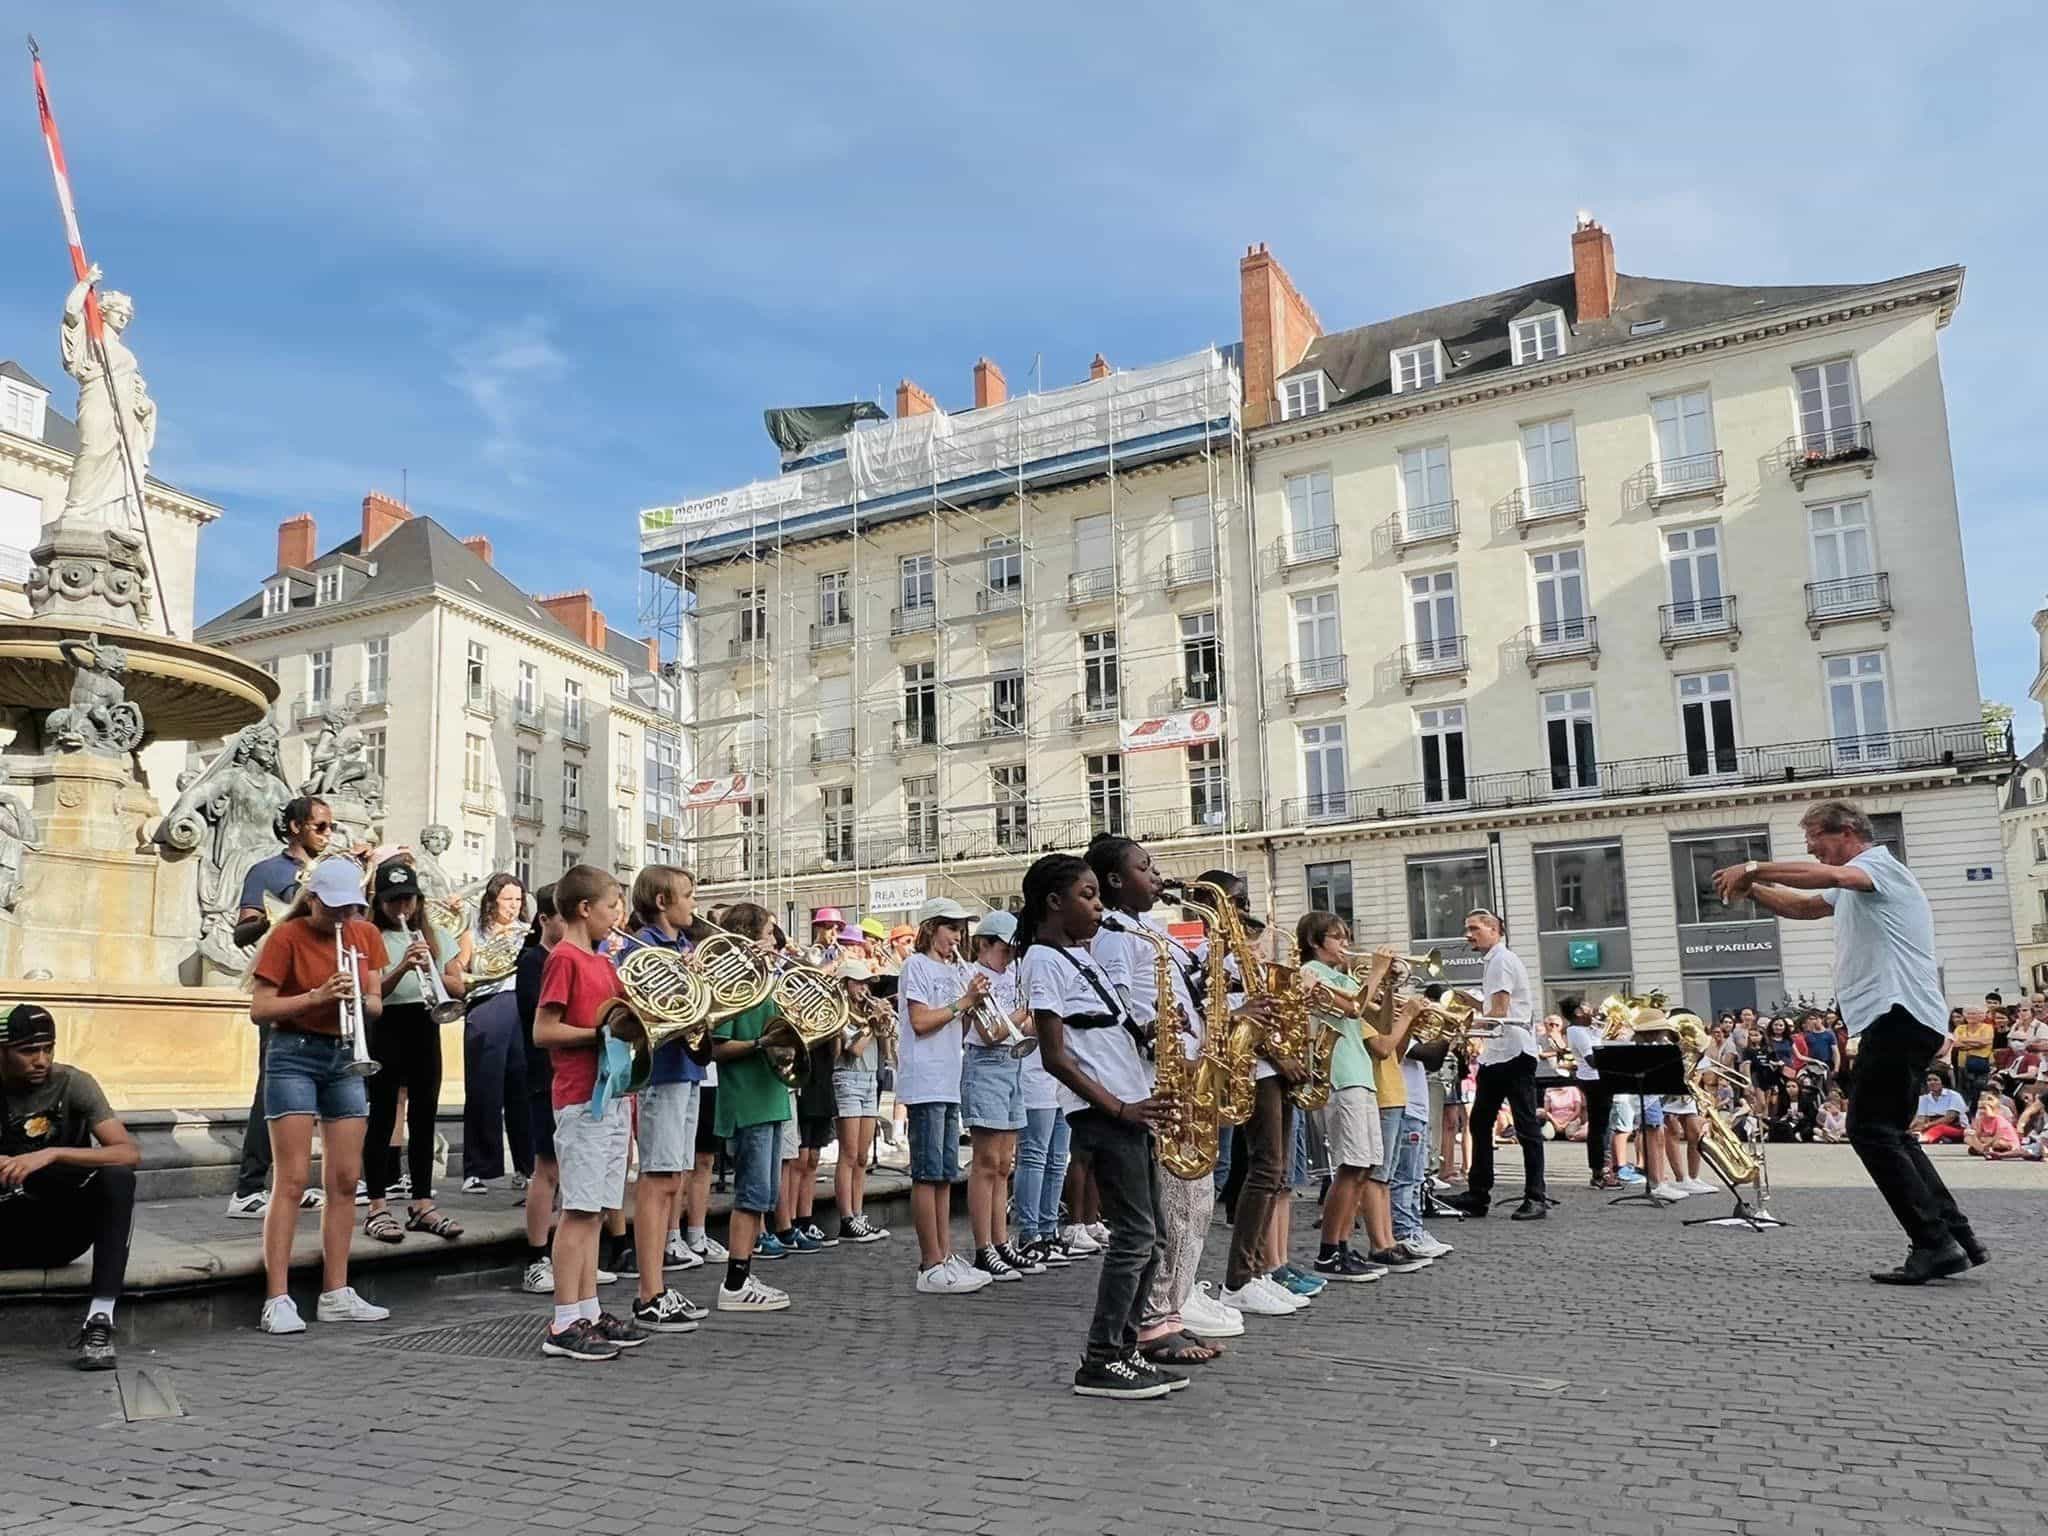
[(383, 1226), (1196, 1341), (432, 1221), (1175, 1349)]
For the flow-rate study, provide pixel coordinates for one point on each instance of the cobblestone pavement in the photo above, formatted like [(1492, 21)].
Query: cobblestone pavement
[(1608, 1370)]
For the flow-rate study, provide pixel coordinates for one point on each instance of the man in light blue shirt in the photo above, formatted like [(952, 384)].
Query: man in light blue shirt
[(1888, 989)]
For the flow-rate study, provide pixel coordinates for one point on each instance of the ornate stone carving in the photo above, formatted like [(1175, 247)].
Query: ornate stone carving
[(228, 813), (340, 762), (99, 718), (17, 835), (435, 840)]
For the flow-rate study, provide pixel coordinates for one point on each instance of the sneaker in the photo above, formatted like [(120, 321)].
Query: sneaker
[(312, 1200), (475, 1186), (707, 1248), (605, 1276), (1202, 1291), (1020, 1261), (856, 1229), (1299, 1281), (345, 1306), (1116, 1378), (519, 1182), (664, 1314), (769, 1246), (1100, 1232), (95, 1344), (281, 1315), (817, 1235), (1255, 1297), (402, 1190), (627, 1264), (1080, 1244), (1147, 1369), (1669, 1191), (753, 1297), (990, 1262), (249, 1207), (539, 1279), (1401, 1259), (1209, 1319), (1629, 1173), (952, 1277), (678, 1254), (1273, 1287), (362, 1192), (1427, 1246), (1343, 1265), (1696, 1186), (616, 1330), (1047, 1251), (799, 1240), (579, 1341)]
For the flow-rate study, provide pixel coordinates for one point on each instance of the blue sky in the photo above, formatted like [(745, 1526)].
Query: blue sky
[(548, 270)]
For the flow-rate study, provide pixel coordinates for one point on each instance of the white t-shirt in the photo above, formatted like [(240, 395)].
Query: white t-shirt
[(1884, 947), (1132, 964), (1041, 1090), (1947, 1102), (1584, 1040), (1002, 991), (1056, 981), (928, 1067), (1415, 1081), (1506, 973)]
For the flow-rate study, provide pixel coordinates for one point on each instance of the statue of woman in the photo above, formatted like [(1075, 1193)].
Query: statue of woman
[(230, 810), (99, 485)]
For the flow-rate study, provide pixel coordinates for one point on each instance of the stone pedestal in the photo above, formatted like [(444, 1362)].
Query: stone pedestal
[(92, 576)]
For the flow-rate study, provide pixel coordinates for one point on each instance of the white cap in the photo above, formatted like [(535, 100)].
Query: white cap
[(942, 907)]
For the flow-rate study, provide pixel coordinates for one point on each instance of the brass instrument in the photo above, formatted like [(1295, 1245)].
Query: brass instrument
[(868, 1017), (1188, 1142), (1449, 1018), (667, 999), (1297, 1034), (495, 958), (739, 974), (1237, 1042), (995, 1027), (1723, 1150), (355, 1032), (1430, 964), (810, 1006), (445, 1009)]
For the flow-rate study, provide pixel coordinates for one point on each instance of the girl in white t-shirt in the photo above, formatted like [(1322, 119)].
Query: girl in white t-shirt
[(992, 1102), (936, 991)]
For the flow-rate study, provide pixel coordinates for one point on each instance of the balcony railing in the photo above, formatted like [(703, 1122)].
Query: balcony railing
[(1423, 525), (1810, 453), (1694, 474), (527, 714), (832, 746), (1973, 745), (825, 637), (1444, 656), (575, 820), (573, 726), (1091, 586), (1548, 500), (481, 799), (1849, 597), (1190, 567), (994, 725), (526, 808), (914, 735), (1306, 546), (1081, 710), (754, 642), (914, 620), (1562, 640), (994, 602), (1314, 674), (483, 701), (307, 708), (1699, 618), (2041, 933), (627, 780)]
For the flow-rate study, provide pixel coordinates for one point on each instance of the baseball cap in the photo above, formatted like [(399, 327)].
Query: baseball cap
[(944, 909), (997, 925), (337, 882), (851, 969), (396, 877), (27, 1024)]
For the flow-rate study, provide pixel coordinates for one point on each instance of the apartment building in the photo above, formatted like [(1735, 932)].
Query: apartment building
[(1573, 592), (2025, 829), (519, 722)]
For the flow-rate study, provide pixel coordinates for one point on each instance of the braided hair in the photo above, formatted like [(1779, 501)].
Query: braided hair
[(1050, 876), (1107, 855)]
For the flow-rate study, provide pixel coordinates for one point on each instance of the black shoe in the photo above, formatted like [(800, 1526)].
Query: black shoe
[(1116, 1378), (624, 1265), (1049, 1253), (1925, 1264), (96, 1343), (1467, 1204), (1399, 1260), (1531, 1210), (1967, 1241), (1150, 1372)]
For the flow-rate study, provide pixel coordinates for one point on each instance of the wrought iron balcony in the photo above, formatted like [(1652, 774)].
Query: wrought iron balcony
[(480, 798), (528, 715), (917, 619), (306, 708), (1191, 567), (1315, 674), (1429, 524), (575, 820), (573, 725), (1307, 546), (1576, 639), (1445, 656), (1548, 501), (627, 780), (752, 642), (1091, 586), (1699, 618), (1082, 711), (914, 734), (998, 601), (826, 637), (1811, 453), (1847, 598), (997, 725), (1693, 474), (526, 808), (483, 701), (832, 746)]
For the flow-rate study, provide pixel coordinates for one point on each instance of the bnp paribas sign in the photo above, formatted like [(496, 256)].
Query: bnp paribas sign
[(1710, 948)]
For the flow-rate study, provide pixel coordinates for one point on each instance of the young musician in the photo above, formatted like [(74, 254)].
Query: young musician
[(933, 994), (590, 1150), (1582, 1035), (539, 1278), (67, 1172), (857, 1102), (816, 1107), (305, 976), (752, 1106), (1507, 1074), (493, 1064), (406, 1043), (1351, 1121), (827, 949), (992, 1102)]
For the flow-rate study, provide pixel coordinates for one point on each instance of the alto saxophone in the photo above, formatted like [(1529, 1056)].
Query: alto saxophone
[(1187, 1142), (1230, 1050)]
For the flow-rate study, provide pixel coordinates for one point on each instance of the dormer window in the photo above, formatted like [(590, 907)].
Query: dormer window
[(329, 590), (1417, 367), (277, 597), (1539, 338), (21, 408), (1301, 396)]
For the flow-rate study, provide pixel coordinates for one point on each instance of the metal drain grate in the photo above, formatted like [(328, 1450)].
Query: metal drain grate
[(516, 1335)]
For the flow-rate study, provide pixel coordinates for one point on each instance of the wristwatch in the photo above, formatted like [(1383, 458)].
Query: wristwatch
[(1750, 869)]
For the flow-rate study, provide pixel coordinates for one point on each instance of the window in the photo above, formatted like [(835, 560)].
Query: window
[(1417, 367), (1433, 619), (1440, 733), (1550, 465), (1844, 556), (2037, 789), (21, 409), (1859, 713), (2040, 846), (522, 864), (1194, 540), (1002, 564), (269, 665), (1094, 553), (754, 836), (622, 758), (921, 815), (1329, 888), (1426, 492), (1208, 800), (1568, 740), (569, 860), (1311, 516), (473, 750), (1560, 596), (572, 706), (277, 598), (1539, 338), (1685, 441), (753, 603), (1706, 713), (622, 832), (376, 670), (329, 589), (1006, 702), (1888, 830), (527, 691), (1105, 792), (1827, 405), (572, 786), (373, 750), (1012, 830), (1099, 674), (1692, 558), (475, 685), (1201, 660), (914, 577), (320, 667), (1693, 862), (1301, 396), (525, 778), (1580, 887), (1318, 648), (1442, 891), (835, 599), (1323, 779), (920, 704), (473, 854)]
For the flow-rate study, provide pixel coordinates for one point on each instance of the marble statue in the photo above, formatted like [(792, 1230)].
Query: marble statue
[(340, 763), (99, 719), (435, 840), (229, 814), (17, 835)]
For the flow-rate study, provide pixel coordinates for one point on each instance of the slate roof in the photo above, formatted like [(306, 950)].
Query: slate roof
[(2016, 786), (59, 431)]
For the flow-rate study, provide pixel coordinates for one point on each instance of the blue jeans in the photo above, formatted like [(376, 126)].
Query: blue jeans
[(1223, 1139), (1041, 1172), (1409, 1152), (757, 1167), (1297, 1162)]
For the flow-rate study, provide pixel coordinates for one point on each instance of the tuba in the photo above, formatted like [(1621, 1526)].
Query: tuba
[(1187, 1143)]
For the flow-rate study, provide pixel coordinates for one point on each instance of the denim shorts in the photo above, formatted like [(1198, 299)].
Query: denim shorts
[(855, 1094), (668, 1128), (308, 1075), (757, 1167), (1390, 1143), (934, 1143), (992, 1089)]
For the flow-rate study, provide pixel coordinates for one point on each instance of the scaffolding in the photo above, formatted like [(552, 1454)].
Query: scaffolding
[(991, 474)]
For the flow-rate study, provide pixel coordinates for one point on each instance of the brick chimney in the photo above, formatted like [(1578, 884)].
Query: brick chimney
[(912, 401), (1593, 269), (1099, 368), (296, 543), (381, 515), (575, 613), (1277, 325), (990, 387), (479, 546), (654, 653)]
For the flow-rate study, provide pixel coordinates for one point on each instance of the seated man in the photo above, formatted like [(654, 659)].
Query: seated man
[(1942, 1115), (67, 1172)]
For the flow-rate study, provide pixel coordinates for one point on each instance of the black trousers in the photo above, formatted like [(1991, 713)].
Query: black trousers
[(57, 1219), (1891, 1066), (494, 1089), (1126, 1169), (1599, 1111), (407, 1045), (254, 1172), (1512, 1083)]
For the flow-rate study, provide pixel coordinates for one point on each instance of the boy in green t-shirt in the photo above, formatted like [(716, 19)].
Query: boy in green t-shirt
[(752, 1105)]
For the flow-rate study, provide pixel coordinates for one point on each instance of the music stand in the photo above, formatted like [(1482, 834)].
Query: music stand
[(1641, 1070)]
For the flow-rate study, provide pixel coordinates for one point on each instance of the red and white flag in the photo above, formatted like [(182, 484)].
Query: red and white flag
[(55, 144)]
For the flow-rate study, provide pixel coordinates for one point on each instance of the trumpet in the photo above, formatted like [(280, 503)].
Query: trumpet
[(445, 1009), (995, 1026), (354, 1032)]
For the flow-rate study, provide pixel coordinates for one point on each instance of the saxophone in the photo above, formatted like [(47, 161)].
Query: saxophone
[(1720, 1145), (1230, 1050), (1188, 1142), (1298, 1035)]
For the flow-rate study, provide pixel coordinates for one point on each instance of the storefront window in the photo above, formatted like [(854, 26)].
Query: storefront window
[(1442, 890), (1580, 887), (1693, 862)]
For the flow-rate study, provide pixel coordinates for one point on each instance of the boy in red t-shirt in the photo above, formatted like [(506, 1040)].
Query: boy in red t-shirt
[(590, 1151)]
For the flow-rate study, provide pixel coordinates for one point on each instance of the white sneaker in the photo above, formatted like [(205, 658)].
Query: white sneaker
[(362, 1192), (1079, 1239), (1696, 1186), (1423, 1246), (949, 1277), (606, 1277), (345, 1306), (1276, 1289), (281, 1315), (1203, 1290), (1206, 1319), (753, 1297), (1669, 1191), (1100, 1232), (249, 1207), (709, 1249), (475, 1186), (539, 1279), (312, 1200), (691, 1310), (1256, 1297), (677, 1255)]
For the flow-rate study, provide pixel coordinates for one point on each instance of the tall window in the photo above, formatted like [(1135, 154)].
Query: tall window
[(1692, 557), (572, 785), (1007, 780), (1201, 662), (1550, 459), (1440, 735), (1416, 367), (527, 691), (1433, 618), (1101, 688), (1323, 775), (1442, 890), (473, 854), (329, 590), (1827, 405), (1693, 862), (21, 409), (1208, 800), (1093, 550), (320, 666), (1329, 888), (1539, 338), (622, 758), (622, 833), (1002, 564), (1844, 555), (1560, 596), (920, 704), (376, 670), (1426, 491), (1311, 516), (474, 671), (1568, 740), (1706, 714), (921, 815), (572, 706), (754, 836), (526, 779), (522, 864), (1685, 440), (277, 597), (1301, 396), (1006, 702), (1194, 539), (473, 758), (1105, 792), (1859, 708), (373, 750), (753, 613), (835, 599), (839, 823), (914, 582), (1580, 887), (1318, 648)]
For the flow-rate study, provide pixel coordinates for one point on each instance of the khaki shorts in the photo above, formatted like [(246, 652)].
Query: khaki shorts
[(1351, 1126), (591, 1155)]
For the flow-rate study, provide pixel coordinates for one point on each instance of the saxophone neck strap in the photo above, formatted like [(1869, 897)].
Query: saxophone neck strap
[(1115, 1012)]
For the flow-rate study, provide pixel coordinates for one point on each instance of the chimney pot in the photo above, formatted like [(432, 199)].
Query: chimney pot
[(913, 401), (1099, 368), (479, 546), (1593, 277), (990, 387), (297, 543), (381, 514)]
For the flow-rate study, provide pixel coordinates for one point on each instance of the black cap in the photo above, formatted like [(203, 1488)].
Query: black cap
[(395, 877), (27, 1024)]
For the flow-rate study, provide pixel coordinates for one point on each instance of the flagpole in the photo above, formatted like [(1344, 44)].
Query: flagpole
[(95, 332)]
